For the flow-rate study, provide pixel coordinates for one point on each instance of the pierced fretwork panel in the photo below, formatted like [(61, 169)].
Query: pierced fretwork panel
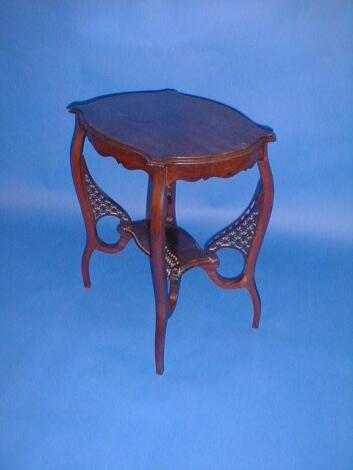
[(101, 203), (172, 264), (240, 233)]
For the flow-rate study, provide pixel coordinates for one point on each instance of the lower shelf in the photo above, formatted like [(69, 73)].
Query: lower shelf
[(182, 252)]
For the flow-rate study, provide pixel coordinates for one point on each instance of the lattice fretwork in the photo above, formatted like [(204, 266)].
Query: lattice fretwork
[(101, 204), (240, 233), (172, 264)]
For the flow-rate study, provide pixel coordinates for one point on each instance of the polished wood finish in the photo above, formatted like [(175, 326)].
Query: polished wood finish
[(172, 136), (178, 241), (169, 126), (263, 197), (80, 175)]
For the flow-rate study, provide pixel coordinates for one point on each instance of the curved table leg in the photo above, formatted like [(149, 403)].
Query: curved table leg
[(94, 204), (157, 211), (78, 177), (246, 235), (265, 203), (174, 283)]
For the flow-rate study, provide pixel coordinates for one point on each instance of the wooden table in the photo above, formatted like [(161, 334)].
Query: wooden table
[(172, 136)]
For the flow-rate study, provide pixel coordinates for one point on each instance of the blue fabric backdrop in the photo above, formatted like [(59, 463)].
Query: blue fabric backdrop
[(77, 382)]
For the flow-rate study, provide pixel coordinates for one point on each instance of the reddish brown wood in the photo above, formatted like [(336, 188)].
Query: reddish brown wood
[(266, 204), (178, 241), (172, 136), (93, 242), (166, 125), (191, 137), (263, 201), (158, 265)]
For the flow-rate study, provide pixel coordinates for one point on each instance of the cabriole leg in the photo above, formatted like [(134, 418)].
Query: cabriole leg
[(265, 205), (246, 235), (94, 204), (78, 177), (157, 210), (173, 281)]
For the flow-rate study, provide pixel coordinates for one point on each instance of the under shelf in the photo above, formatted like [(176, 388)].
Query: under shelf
[(182, 252)]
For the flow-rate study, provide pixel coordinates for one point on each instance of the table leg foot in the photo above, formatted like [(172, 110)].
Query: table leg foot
[(161, 328), (85, 265), (256, 301)]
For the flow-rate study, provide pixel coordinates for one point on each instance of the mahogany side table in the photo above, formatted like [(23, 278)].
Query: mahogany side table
[(172, 136)]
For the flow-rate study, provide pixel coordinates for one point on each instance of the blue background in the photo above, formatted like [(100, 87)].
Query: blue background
[(77, 382)]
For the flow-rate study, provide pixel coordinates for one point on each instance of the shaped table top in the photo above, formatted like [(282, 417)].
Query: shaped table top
[(167, 124)]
